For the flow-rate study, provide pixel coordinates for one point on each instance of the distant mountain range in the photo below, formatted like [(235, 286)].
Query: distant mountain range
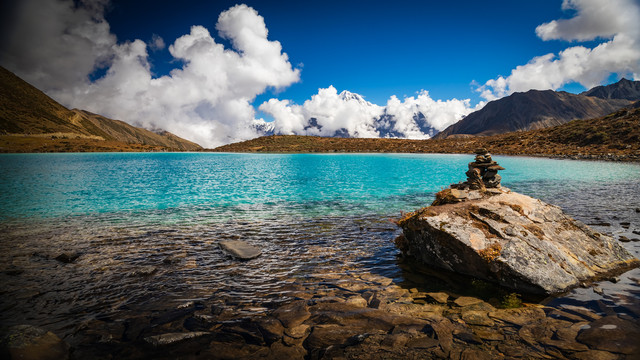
[(615, 136), (531, 110), (538, 109), (385, 124), (32, 121), (27, 112)]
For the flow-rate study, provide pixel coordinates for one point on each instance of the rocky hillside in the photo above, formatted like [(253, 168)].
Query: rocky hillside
[(615, 136), (32, 121), (623, 89), (537, 109)]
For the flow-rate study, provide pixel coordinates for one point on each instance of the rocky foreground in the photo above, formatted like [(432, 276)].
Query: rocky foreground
[(354, 322)]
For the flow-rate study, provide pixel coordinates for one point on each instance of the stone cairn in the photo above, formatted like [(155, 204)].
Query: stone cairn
[(482, 174)]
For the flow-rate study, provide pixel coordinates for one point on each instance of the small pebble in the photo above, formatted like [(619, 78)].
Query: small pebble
[(598, 290)]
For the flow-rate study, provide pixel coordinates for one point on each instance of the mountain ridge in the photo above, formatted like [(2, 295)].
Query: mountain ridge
[(537, 109), (28, 112), (623, 89), (615, 136)]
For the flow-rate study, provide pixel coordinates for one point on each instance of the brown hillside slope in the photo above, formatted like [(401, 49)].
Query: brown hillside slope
[(26, 112), (120, 131), (613, 137), (532, 110)]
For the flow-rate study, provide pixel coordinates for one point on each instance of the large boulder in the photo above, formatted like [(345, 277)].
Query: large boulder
[(512, 239)]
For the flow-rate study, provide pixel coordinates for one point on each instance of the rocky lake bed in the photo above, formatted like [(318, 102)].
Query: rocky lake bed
[(343, 311)]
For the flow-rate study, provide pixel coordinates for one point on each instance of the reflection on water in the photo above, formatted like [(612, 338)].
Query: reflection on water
[(321, 222)]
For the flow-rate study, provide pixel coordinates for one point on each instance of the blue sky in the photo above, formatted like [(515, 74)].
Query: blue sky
[(374, 48), (217, 72)]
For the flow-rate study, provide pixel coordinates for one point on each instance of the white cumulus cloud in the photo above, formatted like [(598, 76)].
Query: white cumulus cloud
[(207, 100), (330, 113), (157, 42), (617, 21), (54, 45)]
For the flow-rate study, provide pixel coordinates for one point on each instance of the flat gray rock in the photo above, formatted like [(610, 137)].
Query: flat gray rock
[(172, 338), (240, 249)]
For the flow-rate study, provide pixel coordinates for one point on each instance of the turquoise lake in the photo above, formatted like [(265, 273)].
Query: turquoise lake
[(215, 187), (146, 226)]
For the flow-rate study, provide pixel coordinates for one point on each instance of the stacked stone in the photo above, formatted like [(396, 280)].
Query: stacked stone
[(483, 172)]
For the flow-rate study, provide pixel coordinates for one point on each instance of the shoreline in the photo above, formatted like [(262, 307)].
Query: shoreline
[(562, 156)]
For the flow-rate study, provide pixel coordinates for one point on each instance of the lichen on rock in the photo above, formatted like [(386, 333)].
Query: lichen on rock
[(509, 238)]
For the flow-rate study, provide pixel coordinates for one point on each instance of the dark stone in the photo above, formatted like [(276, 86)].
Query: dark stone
[(199, 323), (144, 271), (565, 345), (488, 334), (475, 354), (595, 355), (394, 341), (298, 332), (599, 224), (489, 174), (134, 327), (250, 332), (292, 314), (30, 342), (13, 270), (463, 301), (439, 297), (613, 334), (172, 338), (271, 329), (172, 315), (493, 182), (323, 336), (67, 257), (468, 337), (519, 316), (356, 339), (422, 342), (281, 351), (217, 309)]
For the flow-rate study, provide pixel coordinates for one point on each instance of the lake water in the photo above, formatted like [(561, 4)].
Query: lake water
[(147, 225)]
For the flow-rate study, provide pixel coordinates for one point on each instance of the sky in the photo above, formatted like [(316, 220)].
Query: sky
[(217, 72)]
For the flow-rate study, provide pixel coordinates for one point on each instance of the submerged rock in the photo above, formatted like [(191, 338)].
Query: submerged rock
[(30, 342), (613, 334), (240, 249), (172, 338), (67, 257), (512, 239)]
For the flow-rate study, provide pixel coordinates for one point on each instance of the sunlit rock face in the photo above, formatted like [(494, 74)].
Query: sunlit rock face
[(512, 239)]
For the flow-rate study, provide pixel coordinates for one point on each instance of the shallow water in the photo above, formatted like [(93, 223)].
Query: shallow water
[(147, 226)]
